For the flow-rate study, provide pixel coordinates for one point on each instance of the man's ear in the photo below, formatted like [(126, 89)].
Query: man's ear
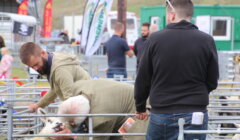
[(41, 111), (43, 53), (173, 16)]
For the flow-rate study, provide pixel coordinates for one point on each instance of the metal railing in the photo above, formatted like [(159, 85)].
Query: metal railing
[(215, 107), (91, 134)]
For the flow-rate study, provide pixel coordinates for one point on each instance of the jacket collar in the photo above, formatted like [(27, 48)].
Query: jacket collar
[(49, 65), (183, 24)]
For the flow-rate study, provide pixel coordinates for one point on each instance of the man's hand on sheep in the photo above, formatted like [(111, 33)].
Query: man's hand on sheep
[(65, 130)]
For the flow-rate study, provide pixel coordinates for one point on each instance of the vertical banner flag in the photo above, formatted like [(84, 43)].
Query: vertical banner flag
[(47, 24), (87, 20), (23, 8), (97, 26)]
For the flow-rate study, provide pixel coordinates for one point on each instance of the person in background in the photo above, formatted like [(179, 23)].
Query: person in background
[(117, 48), (2, 44), (73, 42), (153, 28), (138, 45), (64, 36), (6, 63), (177, 72), (62, 70), (105, 38)]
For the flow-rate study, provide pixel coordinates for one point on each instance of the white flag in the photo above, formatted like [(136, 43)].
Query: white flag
[(97, 26), (87, 20)]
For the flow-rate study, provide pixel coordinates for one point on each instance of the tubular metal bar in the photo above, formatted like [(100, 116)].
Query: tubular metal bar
[(27, 80), (10, 123), (211, 132), (75, 115), (31, 88), (22, 94), (221, 88), (181, 123), (29, 129), (225, 111), (224, 107), (28, 119), (22, 100), (225, 118), (90, 127), (25, 111), (228, 83), (222, 122), (10, 110), (86, 135), (20, 123)]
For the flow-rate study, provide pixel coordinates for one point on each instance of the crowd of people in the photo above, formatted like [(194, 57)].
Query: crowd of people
[(177, 68)]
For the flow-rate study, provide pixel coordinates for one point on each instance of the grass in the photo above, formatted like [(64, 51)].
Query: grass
[(20, 73)]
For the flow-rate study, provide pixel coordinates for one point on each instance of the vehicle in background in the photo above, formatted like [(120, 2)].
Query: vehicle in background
[(131, 25), (73, 24), (18, 29)]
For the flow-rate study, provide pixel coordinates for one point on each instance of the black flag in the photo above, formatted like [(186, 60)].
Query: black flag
[(22, 29)]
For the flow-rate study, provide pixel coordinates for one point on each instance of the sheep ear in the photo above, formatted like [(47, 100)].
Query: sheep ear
[(41, 111)]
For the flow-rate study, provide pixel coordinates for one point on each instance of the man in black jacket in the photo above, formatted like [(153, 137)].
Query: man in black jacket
[(178, 70), (138, 45)]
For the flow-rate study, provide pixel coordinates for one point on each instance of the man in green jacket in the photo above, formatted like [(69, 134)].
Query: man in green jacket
[(62, 70), (103, 97)]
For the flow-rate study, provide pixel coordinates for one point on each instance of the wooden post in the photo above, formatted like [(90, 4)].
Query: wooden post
[(122, 12)]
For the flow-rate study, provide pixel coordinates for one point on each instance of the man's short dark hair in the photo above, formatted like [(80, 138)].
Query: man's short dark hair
[(29, 49), (118, 26), (146, 24), (183, 8)]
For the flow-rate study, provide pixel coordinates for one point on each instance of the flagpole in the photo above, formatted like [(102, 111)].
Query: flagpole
[(122, 10)]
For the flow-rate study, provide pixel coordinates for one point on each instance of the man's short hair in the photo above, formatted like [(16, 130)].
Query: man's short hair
[(118, 27), (146, 24), (29, 49), (183, 8)]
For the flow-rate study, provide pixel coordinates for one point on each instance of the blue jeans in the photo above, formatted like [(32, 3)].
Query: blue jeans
[(112, 72), (165, 127)]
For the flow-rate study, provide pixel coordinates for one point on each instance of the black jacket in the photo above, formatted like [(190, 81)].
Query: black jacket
[(178, 70), (139, 48)]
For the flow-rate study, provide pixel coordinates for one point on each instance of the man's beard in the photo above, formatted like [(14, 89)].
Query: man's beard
[(44, 69), (145, 36)]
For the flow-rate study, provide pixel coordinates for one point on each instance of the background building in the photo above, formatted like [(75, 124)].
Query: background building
[(220, 21)]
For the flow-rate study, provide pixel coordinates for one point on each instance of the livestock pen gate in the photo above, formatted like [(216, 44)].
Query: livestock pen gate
[(19, 123)]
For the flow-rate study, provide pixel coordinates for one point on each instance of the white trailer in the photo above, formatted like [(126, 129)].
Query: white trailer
[(15, 40)]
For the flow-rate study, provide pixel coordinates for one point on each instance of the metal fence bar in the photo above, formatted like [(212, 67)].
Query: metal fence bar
[(90, 119), (10, 111), (75, 115), (181, 123), (87, 135), (29, 129)]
